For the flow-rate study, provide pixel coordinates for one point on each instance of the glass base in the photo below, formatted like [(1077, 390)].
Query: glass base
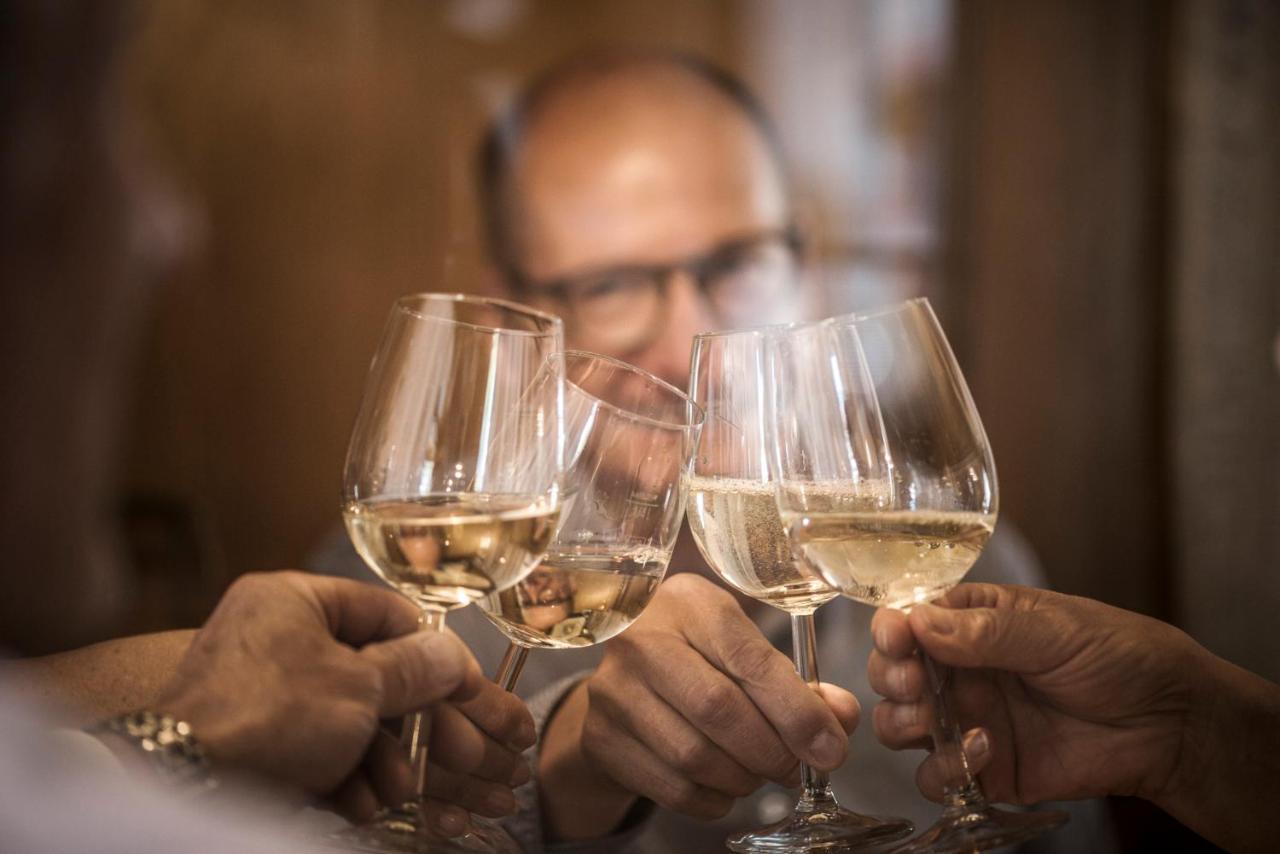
[(399, 831), (982, 830), (824, 826)]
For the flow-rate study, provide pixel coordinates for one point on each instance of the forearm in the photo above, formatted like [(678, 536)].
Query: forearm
[(1229, 773), (578, 801), (102, 680)]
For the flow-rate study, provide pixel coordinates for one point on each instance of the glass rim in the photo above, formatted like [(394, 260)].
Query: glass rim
[(643, 374), (853, 317), (761, 330), (555, 325)]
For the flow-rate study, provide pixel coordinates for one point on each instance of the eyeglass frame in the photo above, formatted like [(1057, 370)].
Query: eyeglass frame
[(700, 267)]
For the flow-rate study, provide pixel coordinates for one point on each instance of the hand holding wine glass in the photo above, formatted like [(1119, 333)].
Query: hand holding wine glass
[(1081, 698), (888, 488)]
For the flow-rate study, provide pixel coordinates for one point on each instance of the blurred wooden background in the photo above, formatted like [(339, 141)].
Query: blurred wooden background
[(1105, 258)]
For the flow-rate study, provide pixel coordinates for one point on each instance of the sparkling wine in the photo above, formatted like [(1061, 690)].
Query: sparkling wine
[(896, 558), (578, 597), (450, 550), (738, 528)]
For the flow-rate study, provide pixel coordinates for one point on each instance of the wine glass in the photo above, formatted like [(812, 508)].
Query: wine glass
[(888, 488), (452, 482), (735, 520), (630, 437)]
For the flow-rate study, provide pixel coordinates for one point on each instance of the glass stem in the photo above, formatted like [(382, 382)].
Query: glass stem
[(815, 785), (415, 735), (511, 667), (961, 793)]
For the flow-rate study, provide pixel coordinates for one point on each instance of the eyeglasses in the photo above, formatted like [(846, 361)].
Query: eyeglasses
[(622, 309)]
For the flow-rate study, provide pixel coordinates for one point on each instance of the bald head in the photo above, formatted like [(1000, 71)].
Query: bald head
[(610, 142), (627, 160)]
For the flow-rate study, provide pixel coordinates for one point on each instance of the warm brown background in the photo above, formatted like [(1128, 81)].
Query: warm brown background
[(1110, 272)]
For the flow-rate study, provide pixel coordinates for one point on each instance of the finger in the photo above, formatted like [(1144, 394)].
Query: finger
[(843, 704), (802, 720), (446, 819), (420, 668), (355, 800), (358, 613), (677, 742), (388, 771), (470, 793), (458, 745), (501, 715), (899, 679), (932, 773), (902, 726), (716, 706), (891, 633), (637, 769), (1014, 639)]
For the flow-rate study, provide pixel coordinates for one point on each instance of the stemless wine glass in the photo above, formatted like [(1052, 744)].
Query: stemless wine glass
[(888, 488), (452, 483), (630, 438), (735, 520)]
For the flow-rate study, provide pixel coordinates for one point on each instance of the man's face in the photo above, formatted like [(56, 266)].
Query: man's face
[(620, 178)]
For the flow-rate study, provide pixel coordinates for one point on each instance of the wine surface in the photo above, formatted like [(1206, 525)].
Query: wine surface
[(450, 550), (578, 597), (894, 559)]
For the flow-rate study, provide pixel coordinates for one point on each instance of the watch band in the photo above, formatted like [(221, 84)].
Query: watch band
[(169, 745)]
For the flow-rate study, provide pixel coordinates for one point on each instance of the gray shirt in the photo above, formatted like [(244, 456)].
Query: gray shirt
[(873, 780)]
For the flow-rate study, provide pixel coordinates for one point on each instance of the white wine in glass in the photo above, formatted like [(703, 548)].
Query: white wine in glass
[(734, 516), (630, 439), (880, 411), (736, 523), (451, 550), (452, 485), (579, 597)]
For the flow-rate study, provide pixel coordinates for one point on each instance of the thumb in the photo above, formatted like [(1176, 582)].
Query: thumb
[(418, 669), (1021, 641)]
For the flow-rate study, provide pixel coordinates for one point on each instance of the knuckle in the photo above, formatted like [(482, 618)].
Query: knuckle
[(691, 755), (682, 796), (753, 661), (714, 706)]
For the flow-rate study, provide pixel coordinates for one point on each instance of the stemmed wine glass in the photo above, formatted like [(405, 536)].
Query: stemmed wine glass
[(888, 488), (735, 521), (630, 438), (452, 482)]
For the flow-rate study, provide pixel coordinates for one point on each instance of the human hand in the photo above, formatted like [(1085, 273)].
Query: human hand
[(291, 674), (1073, 698), (691, 707)]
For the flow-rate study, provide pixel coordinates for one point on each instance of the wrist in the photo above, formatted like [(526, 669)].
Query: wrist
[(579, 801), (1230, 752)]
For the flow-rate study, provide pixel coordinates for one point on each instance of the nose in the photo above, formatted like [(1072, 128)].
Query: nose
[(687, 314)]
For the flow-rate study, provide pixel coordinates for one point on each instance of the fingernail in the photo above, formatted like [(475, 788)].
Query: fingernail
[(447, 663), (940, 621), (977, 745), (906, 715), (522, 774), (881, 635), (500, 802), (826, 751), (451, 822)]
